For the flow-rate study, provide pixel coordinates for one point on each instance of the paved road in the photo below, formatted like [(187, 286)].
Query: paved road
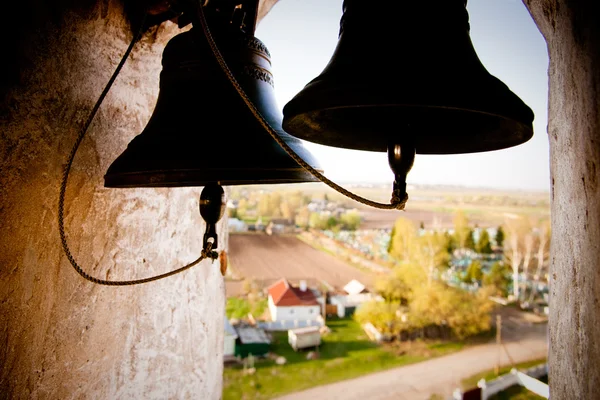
[(440, 375)]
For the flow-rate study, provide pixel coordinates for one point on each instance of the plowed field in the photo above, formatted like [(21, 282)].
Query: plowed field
[(269, 258)]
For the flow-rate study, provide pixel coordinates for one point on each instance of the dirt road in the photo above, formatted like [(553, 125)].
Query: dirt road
[(437, 376)]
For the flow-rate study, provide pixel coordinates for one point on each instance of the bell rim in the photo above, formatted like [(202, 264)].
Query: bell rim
[(291, 123), (200, 178)]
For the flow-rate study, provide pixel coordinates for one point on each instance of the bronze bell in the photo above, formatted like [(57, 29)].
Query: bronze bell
[(405, 73), (201, 131)]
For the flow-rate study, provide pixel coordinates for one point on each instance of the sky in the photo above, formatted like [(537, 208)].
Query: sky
[(301, 36)]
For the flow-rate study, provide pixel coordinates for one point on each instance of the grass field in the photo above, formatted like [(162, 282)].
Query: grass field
[(345, 353)]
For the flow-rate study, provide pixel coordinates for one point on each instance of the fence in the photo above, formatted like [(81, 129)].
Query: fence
[(292, 324), (527, 379)]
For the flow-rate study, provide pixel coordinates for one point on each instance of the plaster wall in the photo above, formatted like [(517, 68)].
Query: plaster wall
[(572, 32), (62, 337)]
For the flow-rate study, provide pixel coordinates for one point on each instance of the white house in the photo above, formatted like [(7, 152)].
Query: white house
[(354, 295), (236, 225), (289, 303)]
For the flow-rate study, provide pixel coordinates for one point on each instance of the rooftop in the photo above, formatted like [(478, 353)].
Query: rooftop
[(284, 294)]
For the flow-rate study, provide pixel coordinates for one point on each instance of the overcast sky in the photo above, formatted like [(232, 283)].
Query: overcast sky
[(302, 34)]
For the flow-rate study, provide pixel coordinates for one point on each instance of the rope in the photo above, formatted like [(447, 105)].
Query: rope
[(397, 202), (206, 253)]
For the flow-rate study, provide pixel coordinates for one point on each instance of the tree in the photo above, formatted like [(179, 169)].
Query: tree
[(517, 229), (303, 217), (483, 244), (242, 208), (498, 278), (264, 207), (315, 221), (232, 212), (450, 242), (350, 220), (499, 237), (431, 253), (544, 234), (287, 211), (462, 230), (402, 240), (381, 314), (473, 273), (464, 313), (470, 240)]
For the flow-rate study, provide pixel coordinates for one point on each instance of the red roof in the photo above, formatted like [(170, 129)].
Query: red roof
[(284, 294)]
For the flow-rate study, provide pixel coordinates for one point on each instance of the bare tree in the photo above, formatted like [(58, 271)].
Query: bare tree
[(431, 253), (516, 230), (542, 252), (528, 241)]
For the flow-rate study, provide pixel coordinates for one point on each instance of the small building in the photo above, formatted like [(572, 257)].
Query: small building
[(236, 225), (278, 226), (251, 340), (229, 340), (302, 338), (353, 295), (290, 303)]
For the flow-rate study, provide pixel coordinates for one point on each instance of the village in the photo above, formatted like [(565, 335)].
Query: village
[(330, 282)]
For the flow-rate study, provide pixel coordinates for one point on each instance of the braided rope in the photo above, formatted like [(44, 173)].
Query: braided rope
[(206, 253), (396, 202)]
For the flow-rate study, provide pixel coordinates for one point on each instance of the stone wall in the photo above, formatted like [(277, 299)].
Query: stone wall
[(61, 336), (572, 31)]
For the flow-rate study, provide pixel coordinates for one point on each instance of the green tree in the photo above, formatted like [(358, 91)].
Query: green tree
[(474, 273), (303, 217), (470, 240), (350, 220), (500, 237), (483, 244), (462, 230), (264, 207), (232, 212), (274, 204), (314, 221), (242, 209), (287, 211), (450, 242), (381, 314), (465, 314), (403, 237), (498, 278)]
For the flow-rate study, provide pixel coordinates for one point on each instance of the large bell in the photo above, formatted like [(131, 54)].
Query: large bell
[(201, 131), (405, 72)]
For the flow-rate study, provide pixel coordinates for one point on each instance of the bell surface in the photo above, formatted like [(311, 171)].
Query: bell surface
[(201, 131), (407, 72)]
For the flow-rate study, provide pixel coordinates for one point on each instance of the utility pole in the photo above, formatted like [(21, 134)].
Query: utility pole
[(498, 342)]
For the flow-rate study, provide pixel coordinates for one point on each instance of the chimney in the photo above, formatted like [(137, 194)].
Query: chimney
[(303, 286)]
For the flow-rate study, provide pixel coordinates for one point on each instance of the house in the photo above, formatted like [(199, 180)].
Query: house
[(251, 340), (288, 303), (280, 226), (236, 225), (352, 296), (302, 338), (229, 340)]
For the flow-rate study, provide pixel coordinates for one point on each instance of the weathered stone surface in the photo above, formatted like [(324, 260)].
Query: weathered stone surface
[(62, 337), (572, 32)]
